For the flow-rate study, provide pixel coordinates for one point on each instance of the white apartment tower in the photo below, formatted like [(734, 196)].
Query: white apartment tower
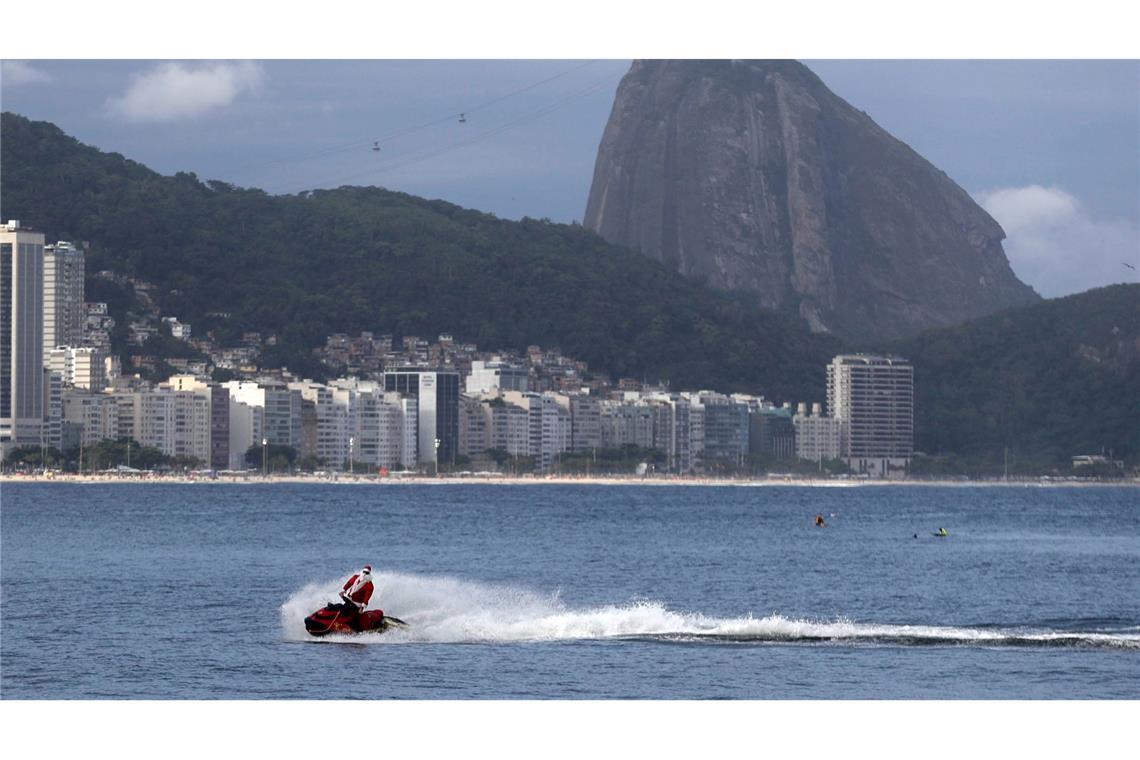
[(334, 409), (82, 367), (817, 437), (585, 421), (496, 375), (21, 336), (548, 426), (873, 396), (52, 428), (64, 313), (93, 415), (510, 427), (280, 415), (625, 424), (474, 426)]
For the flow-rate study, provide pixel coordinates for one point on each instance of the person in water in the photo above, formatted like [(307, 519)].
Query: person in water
[(357, 591), (819, 521), (942, 533)]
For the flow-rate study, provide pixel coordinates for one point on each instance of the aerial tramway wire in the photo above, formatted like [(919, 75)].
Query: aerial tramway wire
[(430, 153), (400, 132)]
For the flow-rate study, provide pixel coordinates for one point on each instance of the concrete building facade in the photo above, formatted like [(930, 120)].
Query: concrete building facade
[(281, 410), (93, 416), (21, 336), (874, 397), (817, 437), (78, 366), (725, 429), (437, 401), (771, 432), (496, 375), (64, 313), (585, 422), (548, 425), (625, 424)]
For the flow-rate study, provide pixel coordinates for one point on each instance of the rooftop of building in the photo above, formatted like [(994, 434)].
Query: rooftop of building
[(870, 359)]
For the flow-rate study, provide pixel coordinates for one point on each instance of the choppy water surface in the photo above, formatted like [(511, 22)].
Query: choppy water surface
[(199, 591)]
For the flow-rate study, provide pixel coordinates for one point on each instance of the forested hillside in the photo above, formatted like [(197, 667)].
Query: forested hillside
[(1047, 381), (304, 266)]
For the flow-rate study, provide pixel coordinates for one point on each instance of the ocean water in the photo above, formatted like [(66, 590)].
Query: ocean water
[(163, 591)]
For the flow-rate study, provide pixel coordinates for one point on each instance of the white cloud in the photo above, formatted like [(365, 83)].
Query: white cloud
[(174, 91), (1055, 246), (20, 72)]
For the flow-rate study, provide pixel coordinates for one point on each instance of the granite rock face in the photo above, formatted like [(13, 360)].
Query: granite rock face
[(756, 177)]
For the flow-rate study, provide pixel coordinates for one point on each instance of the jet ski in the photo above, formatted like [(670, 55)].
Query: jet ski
[(334, 618)]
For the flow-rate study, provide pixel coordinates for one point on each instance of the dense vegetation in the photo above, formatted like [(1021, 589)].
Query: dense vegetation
[(304, 266), (104, 455), (1046, 382)]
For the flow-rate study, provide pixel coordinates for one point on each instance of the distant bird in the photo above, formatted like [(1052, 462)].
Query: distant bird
[(1125, 263), (376, 146), (462, 118)]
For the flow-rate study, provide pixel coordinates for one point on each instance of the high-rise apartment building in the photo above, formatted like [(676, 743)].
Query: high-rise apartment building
[(486, 376), (771, 432), (334, 442), (874, 398), (97, 326), (509, 427), (548, 424), (78, 367), (176, 422), (64, 313), (674, 420), (725, 429), (817, 437), (21, 336), (625, 424), (585, 422), (437, 396), (247, 428), (379, 429), (474, 426), (280, 416), (52, 427), (92, 417), (216, 454)]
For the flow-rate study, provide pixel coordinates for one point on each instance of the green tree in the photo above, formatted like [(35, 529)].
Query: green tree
[(275, 457), (34, 457)]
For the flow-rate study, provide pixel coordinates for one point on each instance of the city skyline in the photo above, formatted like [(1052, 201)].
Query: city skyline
[(400, 408)]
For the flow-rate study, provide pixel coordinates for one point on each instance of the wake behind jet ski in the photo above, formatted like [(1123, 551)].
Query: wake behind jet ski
[(349, 616)]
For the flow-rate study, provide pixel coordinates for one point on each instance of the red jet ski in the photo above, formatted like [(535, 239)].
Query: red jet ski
[(338, 618)]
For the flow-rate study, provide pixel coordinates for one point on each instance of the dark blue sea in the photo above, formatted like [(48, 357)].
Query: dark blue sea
[(198, 591)]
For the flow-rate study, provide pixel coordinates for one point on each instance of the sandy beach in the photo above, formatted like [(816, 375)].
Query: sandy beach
[(254, 479)]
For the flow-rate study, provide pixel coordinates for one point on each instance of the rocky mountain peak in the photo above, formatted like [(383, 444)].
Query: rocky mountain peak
[(754, 176)]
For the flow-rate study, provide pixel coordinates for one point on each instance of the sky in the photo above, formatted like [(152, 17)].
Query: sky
[(1051, 148)]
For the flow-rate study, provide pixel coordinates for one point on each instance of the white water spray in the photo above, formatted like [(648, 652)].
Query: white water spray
[(441, 609)]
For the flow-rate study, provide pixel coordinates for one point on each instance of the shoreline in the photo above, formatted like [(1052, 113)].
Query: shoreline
[(503, 480)]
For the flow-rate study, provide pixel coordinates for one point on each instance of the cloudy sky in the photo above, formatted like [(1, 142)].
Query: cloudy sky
[(1050, 148)]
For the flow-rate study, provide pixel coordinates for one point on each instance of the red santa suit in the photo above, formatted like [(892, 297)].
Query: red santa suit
[(357, 590)]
